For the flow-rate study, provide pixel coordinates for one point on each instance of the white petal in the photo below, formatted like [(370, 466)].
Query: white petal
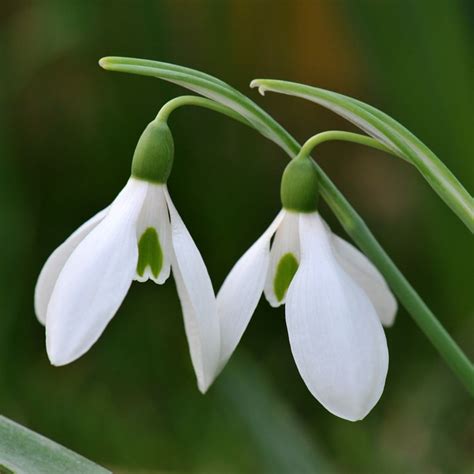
[(366, 275), (55, 263), (242, 289), (198, 301), (335, 335), (155, 214), (286, 241), (95, 279)]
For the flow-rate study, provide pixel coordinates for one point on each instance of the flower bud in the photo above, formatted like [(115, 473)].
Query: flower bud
[(154, 153), (300, 185)]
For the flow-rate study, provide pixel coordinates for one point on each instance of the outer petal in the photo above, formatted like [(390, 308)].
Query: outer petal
[(366, 275), (335, 335), (242, 289), (155, 214), (198, 301), (286, 241), (55, 263), (95, 279)]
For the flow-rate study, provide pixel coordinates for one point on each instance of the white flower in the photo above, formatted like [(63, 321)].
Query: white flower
[(139, 236), (335, 300)]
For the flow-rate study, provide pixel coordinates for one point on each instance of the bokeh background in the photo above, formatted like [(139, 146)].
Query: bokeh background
[(67, 133)]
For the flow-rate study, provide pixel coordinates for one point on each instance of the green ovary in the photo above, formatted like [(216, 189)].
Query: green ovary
[(149, 253), (285, 272)]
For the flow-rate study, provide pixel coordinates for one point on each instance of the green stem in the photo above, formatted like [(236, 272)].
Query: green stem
[(332, 135), (352, 223), (198, 101)]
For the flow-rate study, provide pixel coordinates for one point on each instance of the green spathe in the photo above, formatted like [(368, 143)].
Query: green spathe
[(299, 185), (153, 157), (149, 253), (285, 272)]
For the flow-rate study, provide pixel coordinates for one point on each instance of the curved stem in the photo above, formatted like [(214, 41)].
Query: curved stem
[(198, 101), (332, 135)]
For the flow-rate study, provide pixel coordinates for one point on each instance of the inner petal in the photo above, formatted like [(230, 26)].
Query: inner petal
[(284, 259), (154, 237)]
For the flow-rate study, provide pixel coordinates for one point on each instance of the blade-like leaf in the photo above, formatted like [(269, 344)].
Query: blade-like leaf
[(207, 86), (23, 452), (348, 217), (390, 132)]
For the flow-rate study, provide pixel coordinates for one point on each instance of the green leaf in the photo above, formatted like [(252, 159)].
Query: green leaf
[(395, 136), (23, 451), (207, 86)]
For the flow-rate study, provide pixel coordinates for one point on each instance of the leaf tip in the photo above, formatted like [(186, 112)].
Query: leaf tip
[(256, 83), (104, 62)]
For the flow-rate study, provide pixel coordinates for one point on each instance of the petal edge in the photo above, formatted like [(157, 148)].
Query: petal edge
[(55, 263), (198, 301), (242, 289)]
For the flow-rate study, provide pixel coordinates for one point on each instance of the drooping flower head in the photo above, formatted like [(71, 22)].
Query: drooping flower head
[(140, 236), (335, 300)]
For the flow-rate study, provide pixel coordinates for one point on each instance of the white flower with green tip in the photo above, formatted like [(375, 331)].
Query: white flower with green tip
[(140, 236), (336, 300)]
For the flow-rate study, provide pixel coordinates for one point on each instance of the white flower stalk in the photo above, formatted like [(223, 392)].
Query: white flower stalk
[(140, 236), (335, 300)]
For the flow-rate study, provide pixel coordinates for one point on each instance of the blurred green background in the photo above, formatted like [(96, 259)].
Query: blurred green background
[(67, 133)]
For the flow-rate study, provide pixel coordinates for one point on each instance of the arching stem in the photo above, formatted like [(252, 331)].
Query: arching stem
[(198, 101), (333, 135)]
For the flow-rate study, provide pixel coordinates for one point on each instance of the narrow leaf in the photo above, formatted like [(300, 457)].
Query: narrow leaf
[(22, 452), (207, 86)]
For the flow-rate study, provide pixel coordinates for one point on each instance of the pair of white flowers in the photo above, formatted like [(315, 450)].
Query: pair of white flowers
[(335, 299)]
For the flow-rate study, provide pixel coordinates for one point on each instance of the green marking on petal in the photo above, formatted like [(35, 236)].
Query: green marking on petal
[(285, 272), (149, 253)]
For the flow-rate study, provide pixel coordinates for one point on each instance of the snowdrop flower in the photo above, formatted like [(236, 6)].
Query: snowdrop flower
[(140, 236), (335, 300)]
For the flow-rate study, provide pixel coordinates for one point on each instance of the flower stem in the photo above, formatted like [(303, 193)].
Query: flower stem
[(332, 135), (198, 101)]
